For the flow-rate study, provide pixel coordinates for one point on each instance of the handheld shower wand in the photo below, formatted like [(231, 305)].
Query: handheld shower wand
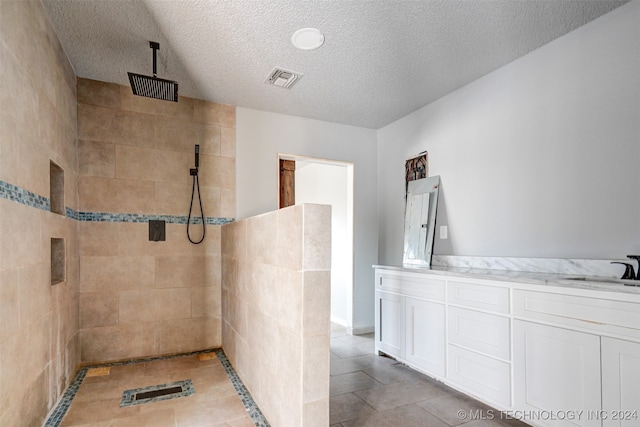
[(196, 184)]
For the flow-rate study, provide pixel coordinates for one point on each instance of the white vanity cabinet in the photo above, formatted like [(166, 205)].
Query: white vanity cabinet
[(478, 340), (552, 355), (425, 335), (556, 370), (620, 382), (566, 356), (410, 319)]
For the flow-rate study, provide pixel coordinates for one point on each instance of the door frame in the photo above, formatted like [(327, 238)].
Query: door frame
[(350, 219)]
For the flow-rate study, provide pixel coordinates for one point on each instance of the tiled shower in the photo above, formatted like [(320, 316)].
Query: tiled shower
[(86, 284), (141, 297)]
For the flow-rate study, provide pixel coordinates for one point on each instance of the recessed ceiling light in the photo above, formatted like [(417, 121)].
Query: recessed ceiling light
[(307, 39)]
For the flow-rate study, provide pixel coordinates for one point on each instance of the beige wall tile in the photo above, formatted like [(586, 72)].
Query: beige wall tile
[(185, 335), (94, 92), (95, 194), (116, 342), (130, 196), (289, 237), (234, 240), (101, 273), (154, 305), (173, 199), (213, 271), (98, 309), (135, 128), (33, 167), (290, 302), (228, 142), (16, 88), (173, 167), (9, 138), (315, 365), (98, 238), (135, 163), (20, 225), (96, 158), (263, 231), (180, 271), (317, 237), (98, 123), (218, 171), (208, 136), (219, 114), (174, 134), (317, 303), (316, 413), (205, 302), (9, 305), (227, 203)]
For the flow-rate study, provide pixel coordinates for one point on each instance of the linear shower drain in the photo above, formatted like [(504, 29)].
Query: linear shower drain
[(156, 393)]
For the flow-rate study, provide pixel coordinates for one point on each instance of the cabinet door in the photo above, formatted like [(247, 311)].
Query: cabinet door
[(425, 340), (556, 370), (390, 323), (620, 383)]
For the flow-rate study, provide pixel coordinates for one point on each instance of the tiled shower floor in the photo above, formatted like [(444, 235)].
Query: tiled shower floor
[(216, 402)]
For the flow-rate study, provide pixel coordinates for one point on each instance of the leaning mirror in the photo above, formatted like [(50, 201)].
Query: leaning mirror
[(420, 221)]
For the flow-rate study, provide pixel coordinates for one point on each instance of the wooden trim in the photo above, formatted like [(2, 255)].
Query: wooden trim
[(287, 183)]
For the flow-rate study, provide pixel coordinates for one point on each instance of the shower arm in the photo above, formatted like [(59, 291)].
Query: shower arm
[(155, 46)]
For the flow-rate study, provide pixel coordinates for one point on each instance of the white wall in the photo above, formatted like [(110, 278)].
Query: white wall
[(540, 158), (327, 184), (260, 136)]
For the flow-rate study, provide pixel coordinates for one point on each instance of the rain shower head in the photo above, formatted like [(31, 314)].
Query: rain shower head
[(154, 87)]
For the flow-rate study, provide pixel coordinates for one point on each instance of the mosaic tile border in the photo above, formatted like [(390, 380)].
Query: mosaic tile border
[(58, 413), (28, 198), (129, 396), (63, 405), (247, 400), (25, 197)]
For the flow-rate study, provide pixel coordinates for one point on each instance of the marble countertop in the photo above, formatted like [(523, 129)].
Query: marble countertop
[(546, 279)]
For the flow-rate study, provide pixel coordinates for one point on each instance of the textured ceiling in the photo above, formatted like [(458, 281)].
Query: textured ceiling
[(381, 59)]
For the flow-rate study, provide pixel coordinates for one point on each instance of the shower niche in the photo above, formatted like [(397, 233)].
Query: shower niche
[(57, 261), (56, 188)]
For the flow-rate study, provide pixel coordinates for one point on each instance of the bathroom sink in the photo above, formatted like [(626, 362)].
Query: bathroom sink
[(605, 280)]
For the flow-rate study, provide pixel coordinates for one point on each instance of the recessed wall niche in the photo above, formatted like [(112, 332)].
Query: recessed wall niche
[(57, 260), (56, 188)]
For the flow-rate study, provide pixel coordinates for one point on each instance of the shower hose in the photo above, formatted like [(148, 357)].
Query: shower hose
[(196, 185)]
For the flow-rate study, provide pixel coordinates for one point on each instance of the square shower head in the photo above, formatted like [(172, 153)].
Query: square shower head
[(153, 87)]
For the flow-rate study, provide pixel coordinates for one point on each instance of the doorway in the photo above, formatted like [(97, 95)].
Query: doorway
[(328, 182)]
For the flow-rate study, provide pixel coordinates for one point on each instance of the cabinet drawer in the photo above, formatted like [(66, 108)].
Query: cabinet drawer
[(484, 297), (486, 333), (600, 315), (412, 284), (481, 375)]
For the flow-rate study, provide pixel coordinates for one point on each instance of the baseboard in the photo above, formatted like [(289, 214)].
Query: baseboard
[(361, 330)]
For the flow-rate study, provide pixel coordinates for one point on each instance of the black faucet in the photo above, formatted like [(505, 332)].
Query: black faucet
[(637, 258), (629, 273)]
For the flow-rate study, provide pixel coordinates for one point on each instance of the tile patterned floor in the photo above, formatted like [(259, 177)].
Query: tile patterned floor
[(372, 391), (217, 402)]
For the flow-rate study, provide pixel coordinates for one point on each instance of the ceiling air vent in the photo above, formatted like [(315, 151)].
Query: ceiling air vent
[(283, 78)]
